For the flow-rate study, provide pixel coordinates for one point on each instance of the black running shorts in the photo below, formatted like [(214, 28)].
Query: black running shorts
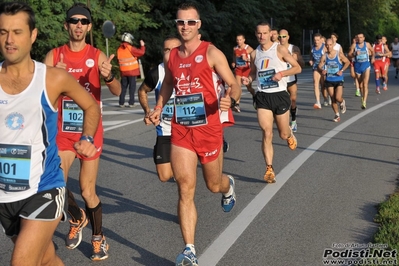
[(334, 84), (161, 153), (48, 205), (277, 102)]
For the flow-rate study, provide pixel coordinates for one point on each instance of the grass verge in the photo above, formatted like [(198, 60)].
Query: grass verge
[(388, 220)]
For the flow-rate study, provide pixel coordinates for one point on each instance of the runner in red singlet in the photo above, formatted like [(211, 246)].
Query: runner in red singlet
[(381, 51), (88, 65), (196, 70), (240, 63)]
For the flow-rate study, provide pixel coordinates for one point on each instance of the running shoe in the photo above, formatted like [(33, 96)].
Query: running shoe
[(325, 103), (377, 90), (228, 202), (186, 258), (384, 86), (317, 106), (343, 107), (357, 93), (100, 247), (74, 236), (269, 176), (336, 118), (363, 105), (226, 146), (294, 126), (236, 108), (292, 142)]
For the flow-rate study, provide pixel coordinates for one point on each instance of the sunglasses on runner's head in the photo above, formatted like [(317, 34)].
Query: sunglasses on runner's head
[(189, 22), (282, 36), (75, 21)]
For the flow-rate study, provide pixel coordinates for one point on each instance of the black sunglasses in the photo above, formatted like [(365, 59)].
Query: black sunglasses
[(75, 21), (189, 22)]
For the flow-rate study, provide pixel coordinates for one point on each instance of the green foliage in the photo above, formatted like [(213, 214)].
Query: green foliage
[(50, 17), (388, 219), (388, 211), (152, 21)]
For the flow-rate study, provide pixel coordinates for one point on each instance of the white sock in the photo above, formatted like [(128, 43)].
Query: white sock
[(191, 246), (229, 193), (337, 114)]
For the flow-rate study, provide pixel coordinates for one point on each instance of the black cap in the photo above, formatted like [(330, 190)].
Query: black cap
[(78, 10)]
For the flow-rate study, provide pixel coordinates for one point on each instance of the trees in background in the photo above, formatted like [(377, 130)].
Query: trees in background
[(222, 20)]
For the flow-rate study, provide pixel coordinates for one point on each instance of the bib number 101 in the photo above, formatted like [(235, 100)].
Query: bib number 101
[(7, 168)]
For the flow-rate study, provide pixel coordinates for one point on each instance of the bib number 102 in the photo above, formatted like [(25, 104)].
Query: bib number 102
[(75, 116)]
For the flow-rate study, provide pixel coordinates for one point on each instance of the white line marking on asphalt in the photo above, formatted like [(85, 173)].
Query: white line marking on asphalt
[(216, 250), (123, 124), (114, 122)]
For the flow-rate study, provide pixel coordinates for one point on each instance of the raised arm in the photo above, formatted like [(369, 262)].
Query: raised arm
[(218, 61), (285, 55), (296, 53), (105, 67)]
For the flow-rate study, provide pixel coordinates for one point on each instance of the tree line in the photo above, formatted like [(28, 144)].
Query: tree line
[(222, 20)]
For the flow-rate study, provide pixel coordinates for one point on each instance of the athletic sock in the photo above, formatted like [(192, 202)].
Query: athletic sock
[(377, 82), (293, 114), (229, 193), (191, 246), (73, 208), (95, 216)]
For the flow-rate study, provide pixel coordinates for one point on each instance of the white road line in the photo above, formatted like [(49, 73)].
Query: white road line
[(114, 122), (123, 124), (216, 250), (123, 112)]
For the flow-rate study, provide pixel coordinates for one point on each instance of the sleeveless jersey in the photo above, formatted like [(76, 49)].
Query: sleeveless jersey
[(379, 49), (154, 81), (333, 65), (317, 54), (395, 50), (267, 65), (83, 65), (363, 55), (292, 77), (239, 52), (337, 47), (198, 89), (29, 161)]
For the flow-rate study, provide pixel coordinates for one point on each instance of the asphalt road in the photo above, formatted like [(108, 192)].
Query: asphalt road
[(326, 193)]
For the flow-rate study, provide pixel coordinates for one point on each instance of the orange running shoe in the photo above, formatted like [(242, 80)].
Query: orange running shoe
[(269, 176), (292, 142)]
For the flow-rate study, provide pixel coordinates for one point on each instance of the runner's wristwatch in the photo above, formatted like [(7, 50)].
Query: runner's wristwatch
[(233, 102), (87, 138)]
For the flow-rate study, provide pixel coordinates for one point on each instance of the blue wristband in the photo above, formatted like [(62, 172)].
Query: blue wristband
[(87, 138)]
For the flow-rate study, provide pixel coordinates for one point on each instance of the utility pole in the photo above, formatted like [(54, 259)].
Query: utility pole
[(349, 24), (91, 32)]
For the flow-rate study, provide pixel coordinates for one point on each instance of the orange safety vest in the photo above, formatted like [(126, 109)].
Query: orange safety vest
[(128, 64)]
